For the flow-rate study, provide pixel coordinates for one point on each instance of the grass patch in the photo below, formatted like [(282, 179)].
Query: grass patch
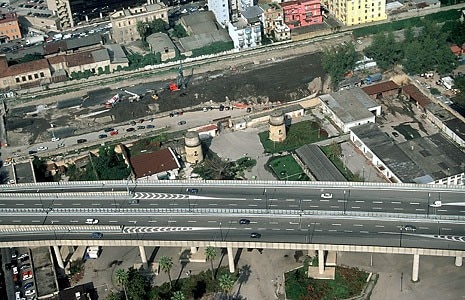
[(348, 282), (286, 168), (298, 134), (339, 164)]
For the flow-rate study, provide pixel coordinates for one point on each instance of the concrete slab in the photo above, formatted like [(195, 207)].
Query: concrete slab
[(329, 273)]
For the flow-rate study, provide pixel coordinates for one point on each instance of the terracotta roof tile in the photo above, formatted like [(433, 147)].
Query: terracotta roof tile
[(153, 163), (26, 67), (416, 95), (380, 87), (80, 58)]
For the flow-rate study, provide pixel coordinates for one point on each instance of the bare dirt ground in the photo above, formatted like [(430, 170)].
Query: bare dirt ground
[(272, 80)]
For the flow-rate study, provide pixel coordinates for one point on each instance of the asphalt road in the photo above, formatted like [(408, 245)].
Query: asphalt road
[(286, 212)]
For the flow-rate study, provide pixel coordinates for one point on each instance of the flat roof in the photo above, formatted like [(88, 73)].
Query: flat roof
[(350, 105), (419, 160), (318, 164)]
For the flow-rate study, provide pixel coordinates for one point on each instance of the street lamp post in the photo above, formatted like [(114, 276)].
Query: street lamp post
[(402, 228), (344, 203), (427, 209)]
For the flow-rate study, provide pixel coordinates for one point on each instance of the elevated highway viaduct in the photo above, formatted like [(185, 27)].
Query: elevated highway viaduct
[(312, 216)]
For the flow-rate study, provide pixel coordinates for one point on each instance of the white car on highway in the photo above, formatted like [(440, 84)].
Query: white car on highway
[(91, 221), (42, 148), (327, 196)]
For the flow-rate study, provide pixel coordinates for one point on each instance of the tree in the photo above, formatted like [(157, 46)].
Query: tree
[(166, 263), (142, 29), (338, 60), (137, 285), (179, 31), (122, 277), (178, 295), (210, 254), (157, 25), (385, 50), (226, 283)]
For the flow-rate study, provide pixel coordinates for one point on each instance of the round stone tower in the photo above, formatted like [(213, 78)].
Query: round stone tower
[(277, 127), (193, 147)]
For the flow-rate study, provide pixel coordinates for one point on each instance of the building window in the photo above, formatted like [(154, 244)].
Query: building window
[(23, 78), (29, 77), (17, 79), (36, 76), (42, 75)]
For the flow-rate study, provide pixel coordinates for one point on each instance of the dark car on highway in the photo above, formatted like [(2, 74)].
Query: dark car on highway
[(150, 126), (80, 141), (244, 221), (141, 127), (130, 129), (108, 129), (97, 235), (102, 136)]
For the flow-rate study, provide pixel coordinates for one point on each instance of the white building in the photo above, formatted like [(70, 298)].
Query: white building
[(228, 10), (245, 35), (349, 108)]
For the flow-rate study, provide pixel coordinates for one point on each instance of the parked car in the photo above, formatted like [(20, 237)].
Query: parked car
[(114, 132), (25, 266), (192, 191), (28, 285), (32, 152), (150, 126), (15, 270), (181, 122), (55, 139), (130, 129), (23, 257), (42, 148), (140, 127), (30, 292), (27, 275), (109, 129), (133, 123), (395, 134), (80, 141)]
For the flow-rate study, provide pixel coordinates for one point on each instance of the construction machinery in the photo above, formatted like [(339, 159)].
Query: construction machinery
[(180, 84), (133, 96), (112, 101)]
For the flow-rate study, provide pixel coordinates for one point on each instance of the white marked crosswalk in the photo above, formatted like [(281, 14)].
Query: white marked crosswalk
[(142, 229), (159, 196)]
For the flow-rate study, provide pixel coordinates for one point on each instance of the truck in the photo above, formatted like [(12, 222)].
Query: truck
[(374, 78), (35, 39)]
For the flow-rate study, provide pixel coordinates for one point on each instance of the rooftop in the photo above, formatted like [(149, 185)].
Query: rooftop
[(416, 95), (201, 22), (318, 164), (159, 42), (380, 87), (27, 67), (157, 162), (350, 105)]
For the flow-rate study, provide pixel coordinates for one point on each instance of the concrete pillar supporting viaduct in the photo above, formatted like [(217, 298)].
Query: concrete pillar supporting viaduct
[(231, 260), (56, 249), (458, 261), (321, 261), (143, 256), (193, 250), (416, 267)]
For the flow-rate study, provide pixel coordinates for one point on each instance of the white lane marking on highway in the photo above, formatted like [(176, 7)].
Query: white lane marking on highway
[(319, 230), (213, 204), (73, 221), (211, 221), (359, 201), (377, 208), (16, 221), (290, 200), (95, 204), (75, 204), (420, 209), (332, 230), (341, 201), (257, 199), (306, 200), (379, 226), (336, 224), (395, 202), (398, 208), (446, 229), (363, 231), (313, 206), (415, 203), (171, 221), (253, 205), (443, 210), (293, 223), (273, 199), (293, 205), (273, 223), (153, 204), (173, 204), (38, 204), (273, 205), (334, 206), (2, 204), (349, 231), (191, 221), (152, 221), (462, 211), (114, 221), (377, 202), (324, 200), (289, 229), (355, 207), (58, 204), (276, 229), (358, 225), (232, 204), (19, 204), (36, 221)]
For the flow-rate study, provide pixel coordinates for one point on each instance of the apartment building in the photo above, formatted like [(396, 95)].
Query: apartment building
[(228, 10), (125, 21), (9, 27), (354, 12), (302, 13), (273, 22)]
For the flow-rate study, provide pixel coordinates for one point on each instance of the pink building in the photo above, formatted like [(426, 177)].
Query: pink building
[(300, 13)]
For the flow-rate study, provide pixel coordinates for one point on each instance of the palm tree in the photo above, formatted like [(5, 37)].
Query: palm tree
[(178, 295), (166, 263), (122, 277), (226, 283), (210, 254)]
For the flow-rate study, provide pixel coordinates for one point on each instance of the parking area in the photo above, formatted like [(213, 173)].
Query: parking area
[(19, 273)]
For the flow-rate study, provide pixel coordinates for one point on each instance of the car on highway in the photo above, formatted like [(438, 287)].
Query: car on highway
[(436, 204), (14, 255), (42, 148), (244, 221), (327, 196), (23, 257), (408, 228), (192, 190), (28, 285), (32, 151), (92, 221), (181, 122), (109, 129), (150, 126), (114, 132), (60, 145), (102, 136), (141, 127), (141, 121), (130, 129), (55, 139), (255, 235), (30, 292), (132, 123), (25, 266), (97, 235), (80, 141)]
